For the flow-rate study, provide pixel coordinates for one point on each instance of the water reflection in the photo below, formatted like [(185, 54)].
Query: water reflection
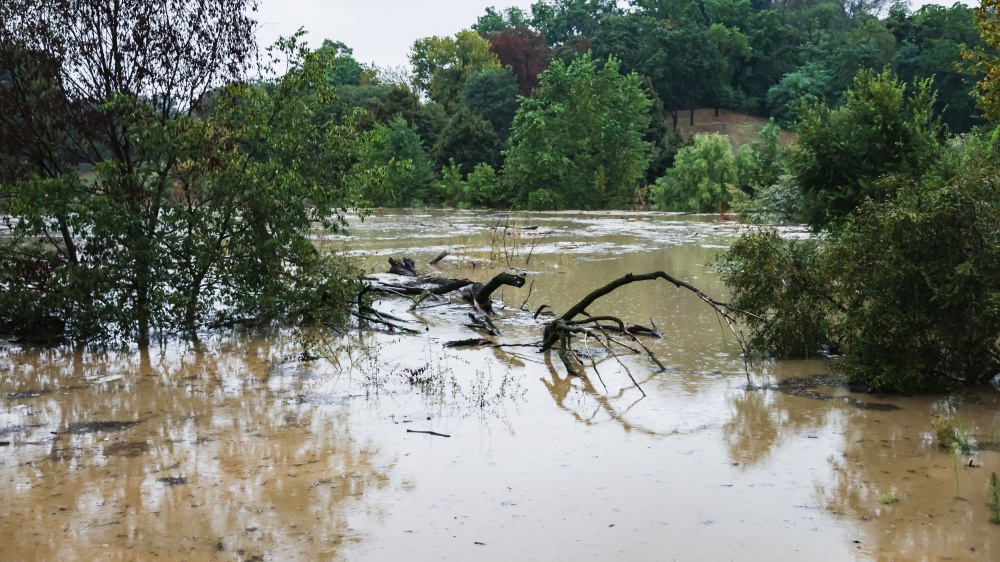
[(237, 444), (217, 461)]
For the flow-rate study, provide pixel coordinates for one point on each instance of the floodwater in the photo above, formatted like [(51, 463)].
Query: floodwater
[(238, 448)]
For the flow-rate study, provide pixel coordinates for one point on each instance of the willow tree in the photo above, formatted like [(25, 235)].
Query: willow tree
[(134, 205)]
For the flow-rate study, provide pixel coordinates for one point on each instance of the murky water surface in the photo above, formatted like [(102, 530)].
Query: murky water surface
[(237, 449)]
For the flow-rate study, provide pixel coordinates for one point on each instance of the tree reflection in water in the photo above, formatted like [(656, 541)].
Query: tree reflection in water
[(223, 457)]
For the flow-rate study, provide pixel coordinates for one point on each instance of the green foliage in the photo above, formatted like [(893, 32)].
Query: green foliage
[(492, 95), (579, 138), (731, 13), (680, 59), (920, 277), (771, 195), (780, 202), (930, 45), (879, 130), (953, 434), (441, 65), (200, 218), (484, 188), (701, 177), (450, 189), (908, 285), (986, 59), (888, 499), (993, 498), (408, 170), (783, 287), (467, 140), (343, 69), (810, 84), (493, 21)]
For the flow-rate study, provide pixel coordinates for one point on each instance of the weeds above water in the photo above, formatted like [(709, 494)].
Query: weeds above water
[(993, 498), (954, 434), (435, 377), (888, 499), (482, 393)]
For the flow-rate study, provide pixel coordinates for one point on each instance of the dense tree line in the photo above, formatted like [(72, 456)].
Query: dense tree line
[(763, 58)]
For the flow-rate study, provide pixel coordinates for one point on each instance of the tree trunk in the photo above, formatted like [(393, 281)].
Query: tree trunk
[(482, 298)]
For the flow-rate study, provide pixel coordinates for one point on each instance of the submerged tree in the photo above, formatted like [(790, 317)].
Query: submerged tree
[(135, 206), (905, 277)]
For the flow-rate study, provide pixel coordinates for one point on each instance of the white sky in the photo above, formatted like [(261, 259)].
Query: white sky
[(382, 31), (379, 31)]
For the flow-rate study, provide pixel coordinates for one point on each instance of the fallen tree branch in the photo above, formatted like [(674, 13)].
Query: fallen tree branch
[(427, 432), (482, 297), (562, 328)]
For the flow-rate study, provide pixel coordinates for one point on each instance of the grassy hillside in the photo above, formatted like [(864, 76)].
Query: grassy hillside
[(739, 127)]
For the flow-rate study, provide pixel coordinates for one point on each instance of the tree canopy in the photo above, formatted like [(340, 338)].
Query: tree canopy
[(578, 141), (156, 190)]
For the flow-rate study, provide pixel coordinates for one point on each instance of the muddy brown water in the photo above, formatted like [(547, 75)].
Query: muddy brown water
[(235, 448)]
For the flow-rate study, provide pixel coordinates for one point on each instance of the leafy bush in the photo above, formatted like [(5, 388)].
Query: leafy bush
[(920, 278), (909, 286), (784, 291), (484, 188)]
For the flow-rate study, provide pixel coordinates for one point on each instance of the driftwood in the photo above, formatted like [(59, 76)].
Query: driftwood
[(439, 257), (562, 329), (480, 295), (404, 266), (476, 293), (560, 332), (428, 432)]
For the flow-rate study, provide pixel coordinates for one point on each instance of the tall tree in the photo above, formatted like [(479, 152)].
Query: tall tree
[(492, 94), (524, 51), (467, 140), (441, 65), (345, 70), (135, 205), (577, 143), (930, 45), (879, 130)]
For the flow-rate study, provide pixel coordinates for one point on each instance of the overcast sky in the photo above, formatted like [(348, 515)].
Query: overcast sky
[(381, 31)]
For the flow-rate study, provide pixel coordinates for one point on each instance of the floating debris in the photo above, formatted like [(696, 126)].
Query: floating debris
[(173, 480), (98, 426)]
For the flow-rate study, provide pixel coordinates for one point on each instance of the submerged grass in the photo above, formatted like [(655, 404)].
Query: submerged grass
[(888, 499), (993, 497)]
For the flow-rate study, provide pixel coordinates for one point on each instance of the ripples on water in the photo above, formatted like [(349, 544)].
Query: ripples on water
[(237, 448)]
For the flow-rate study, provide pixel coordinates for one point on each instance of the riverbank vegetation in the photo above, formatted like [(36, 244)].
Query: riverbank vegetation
[(160, 175)]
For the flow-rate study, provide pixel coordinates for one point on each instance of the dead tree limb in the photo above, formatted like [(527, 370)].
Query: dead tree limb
[(580, 307), (482, 296), (439, 257), (561, 329)]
